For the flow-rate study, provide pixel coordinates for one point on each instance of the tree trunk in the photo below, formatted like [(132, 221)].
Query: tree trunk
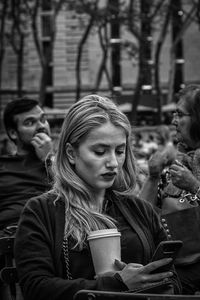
[(115, 52), (43, 85), (171, 77), (138, 87), (79, 56), (161, 39), (179, 61), (103, 67), (144, 72), (136, 98), (2, 44), (20, 67)]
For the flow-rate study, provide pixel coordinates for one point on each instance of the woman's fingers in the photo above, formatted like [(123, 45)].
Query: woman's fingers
[(152, 266), (121, 265), (178, 163), (159, 276), (137, 275), (147, 270)]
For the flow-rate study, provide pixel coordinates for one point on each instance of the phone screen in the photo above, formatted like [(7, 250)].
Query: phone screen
[(164, 250)]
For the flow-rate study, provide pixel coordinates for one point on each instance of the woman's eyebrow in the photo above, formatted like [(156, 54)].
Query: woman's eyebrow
[(107, 145)]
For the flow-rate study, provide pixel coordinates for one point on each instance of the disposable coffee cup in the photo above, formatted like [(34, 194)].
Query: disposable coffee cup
[(105, 247)]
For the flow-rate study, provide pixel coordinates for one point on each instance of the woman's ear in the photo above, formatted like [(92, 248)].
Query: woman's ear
[(70, 153)]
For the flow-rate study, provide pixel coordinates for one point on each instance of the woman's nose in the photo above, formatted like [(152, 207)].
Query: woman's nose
[(174, 120), (112, 161)]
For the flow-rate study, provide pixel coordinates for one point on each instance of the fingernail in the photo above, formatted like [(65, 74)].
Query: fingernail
[(169, 259)]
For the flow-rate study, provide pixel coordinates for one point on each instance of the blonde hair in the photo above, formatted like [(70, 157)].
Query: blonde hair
[(90, 112)]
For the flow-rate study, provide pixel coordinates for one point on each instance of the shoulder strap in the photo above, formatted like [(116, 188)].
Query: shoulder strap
[(134, 224)]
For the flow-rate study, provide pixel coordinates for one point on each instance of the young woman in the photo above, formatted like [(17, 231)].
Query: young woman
[(94, 172)]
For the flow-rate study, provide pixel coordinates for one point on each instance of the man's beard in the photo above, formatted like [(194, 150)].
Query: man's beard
[(28, 147), (25, 145)]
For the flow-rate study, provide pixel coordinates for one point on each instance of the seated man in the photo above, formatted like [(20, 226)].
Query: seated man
[(24, 174)]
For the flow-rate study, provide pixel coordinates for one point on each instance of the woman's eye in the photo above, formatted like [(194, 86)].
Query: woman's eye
[(120, 152), (99, 152)]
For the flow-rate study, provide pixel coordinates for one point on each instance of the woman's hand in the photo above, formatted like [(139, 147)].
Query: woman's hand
[(139, 276), (183, 178), (159, 160), (156, 164)]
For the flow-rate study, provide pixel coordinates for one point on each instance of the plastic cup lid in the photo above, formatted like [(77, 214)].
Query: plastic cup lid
[(103, 233)]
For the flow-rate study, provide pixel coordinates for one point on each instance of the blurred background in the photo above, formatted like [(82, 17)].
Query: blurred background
[(140, 52)]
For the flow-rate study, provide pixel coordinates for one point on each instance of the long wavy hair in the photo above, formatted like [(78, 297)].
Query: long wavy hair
[(80, 218)]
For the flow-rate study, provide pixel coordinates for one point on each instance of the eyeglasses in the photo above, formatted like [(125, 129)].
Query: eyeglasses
[(180, 114)]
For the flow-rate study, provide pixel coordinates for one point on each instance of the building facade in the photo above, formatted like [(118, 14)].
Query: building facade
[(62, 76)]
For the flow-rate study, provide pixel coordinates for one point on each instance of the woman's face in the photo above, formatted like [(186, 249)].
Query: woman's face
[(100, 156), (182, 122)]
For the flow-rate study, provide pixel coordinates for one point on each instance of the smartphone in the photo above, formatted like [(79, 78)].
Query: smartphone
[(164, 250)]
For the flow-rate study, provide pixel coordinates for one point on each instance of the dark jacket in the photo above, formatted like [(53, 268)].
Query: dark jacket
[(39, 257), (21, 178)]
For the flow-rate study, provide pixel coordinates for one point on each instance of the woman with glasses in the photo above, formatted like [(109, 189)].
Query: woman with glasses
[(174, 184)]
